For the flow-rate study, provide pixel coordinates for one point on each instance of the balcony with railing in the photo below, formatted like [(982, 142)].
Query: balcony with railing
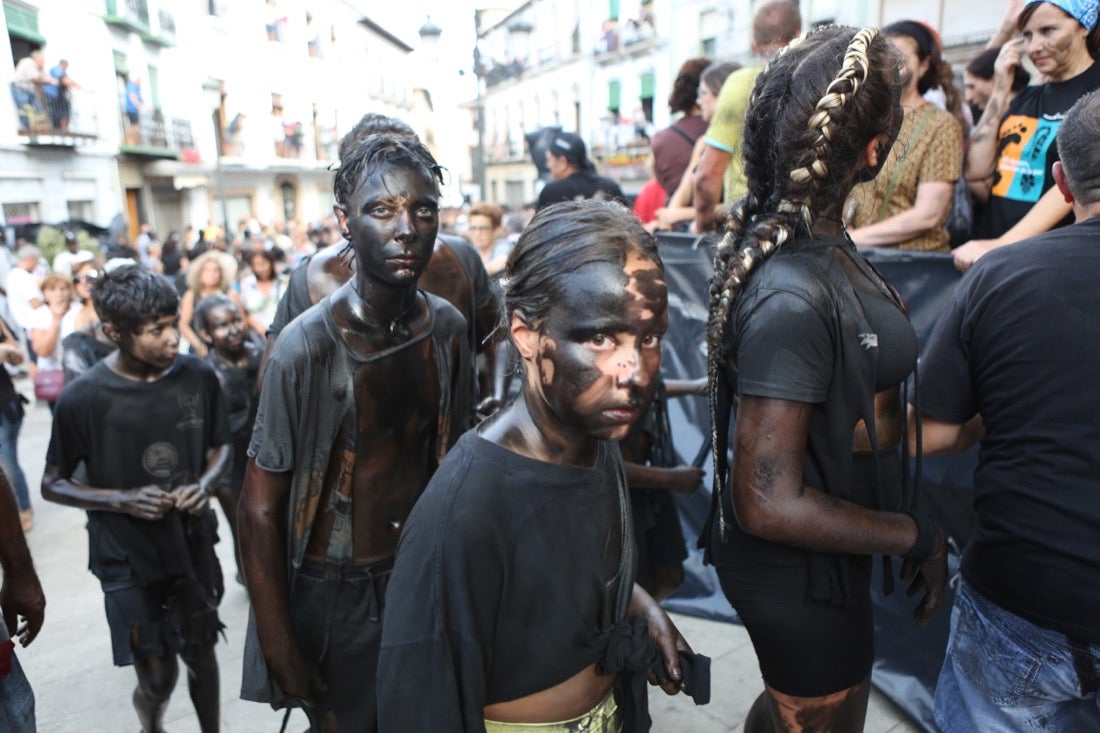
[(151, 134), (65, 120), (130, 14)]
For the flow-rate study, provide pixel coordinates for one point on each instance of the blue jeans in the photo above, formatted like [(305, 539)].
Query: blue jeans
[(1004, 673), (22, 98), (9, 459)]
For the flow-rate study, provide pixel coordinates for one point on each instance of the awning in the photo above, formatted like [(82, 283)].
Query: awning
[(23, 23)]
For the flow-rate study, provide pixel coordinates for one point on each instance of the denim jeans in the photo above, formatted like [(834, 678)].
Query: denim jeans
[(1004, 673), (9, 459), (23, 98)]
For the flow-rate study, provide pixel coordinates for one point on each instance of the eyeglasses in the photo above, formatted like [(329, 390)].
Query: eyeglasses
[(479, 228)]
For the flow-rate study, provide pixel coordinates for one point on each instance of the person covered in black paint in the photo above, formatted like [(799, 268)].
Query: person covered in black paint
[(814, 345), (514, 580)]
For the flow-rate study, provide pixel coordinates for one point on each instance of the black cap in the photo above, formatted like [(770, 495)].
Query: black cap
[(570, 146)]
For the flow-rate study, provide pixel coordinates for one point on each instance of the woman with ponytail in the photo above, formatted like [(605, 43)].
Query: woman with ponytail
[(814, 345)]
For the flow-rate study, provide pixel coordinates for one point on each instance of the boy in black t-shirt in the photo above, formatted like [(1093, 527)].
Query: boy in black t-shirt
[(236, 360), (149, 426)]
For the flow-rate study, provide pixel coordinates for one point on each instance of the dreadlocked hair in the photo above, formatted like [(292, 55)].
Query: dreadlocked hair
[(812, 113)]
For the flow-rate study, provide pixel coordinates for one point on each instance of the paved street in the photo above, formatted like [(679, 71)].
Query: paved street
[(78, 689)]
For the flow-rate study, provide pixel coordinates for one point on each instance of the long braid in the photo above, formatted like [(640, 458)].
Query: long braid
[(781, 192)]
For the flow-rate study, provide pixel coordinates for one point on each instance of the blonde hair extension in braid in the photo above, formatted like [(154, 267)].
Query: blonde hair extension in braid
[(853, 73), (779, 203)]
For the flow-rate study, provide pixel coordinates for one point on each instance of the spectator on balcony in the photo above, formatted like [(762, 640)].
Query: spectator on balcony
[(133, 104), (59, 95), (574, 175), (30, 74)]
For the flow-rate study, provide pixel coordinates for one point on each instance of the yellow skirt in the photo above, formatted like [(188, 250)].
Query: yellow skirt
[(604, 718)]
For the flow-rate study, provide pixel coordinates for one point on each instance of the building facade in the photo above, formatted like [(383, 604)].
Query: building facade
[(605, 70), (193, 113)]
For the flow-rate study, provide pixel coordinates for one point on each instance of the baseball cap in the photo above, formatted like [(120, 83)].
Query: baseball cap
[(570, 146)]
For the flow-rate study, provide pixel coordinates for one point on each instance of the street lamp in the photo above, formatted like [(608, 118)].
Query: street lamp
[(214, 91), (518, 29)]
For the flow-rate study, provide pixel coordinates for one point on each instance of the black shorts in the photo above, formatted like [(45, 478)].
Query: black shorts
[(175, 616), (805, 648), (336, 611)]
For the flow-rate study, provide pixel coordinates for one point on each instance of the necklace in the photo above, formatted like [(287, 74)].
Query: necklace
[(393, 330)]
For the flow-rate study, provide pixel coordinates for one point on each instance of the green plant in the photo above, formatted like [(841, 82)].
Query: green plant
[(52, 242)]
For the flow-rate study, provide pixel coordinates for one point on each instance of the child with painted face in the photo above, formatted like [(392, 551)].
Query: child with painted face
[(362, 396), (149, 426), (514, 579), (236, 360)]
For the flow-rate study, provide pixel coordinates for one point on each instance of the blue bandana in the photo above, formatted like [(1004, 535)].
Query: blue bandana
[(1085, 11)]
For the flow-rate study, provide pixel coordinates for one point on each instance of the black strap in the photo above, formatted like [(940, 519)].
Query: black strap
[(691, 140)]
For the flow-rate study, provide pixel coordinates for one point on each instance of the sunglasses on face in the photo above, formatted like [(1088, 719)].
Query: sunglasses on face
[(86, 277)]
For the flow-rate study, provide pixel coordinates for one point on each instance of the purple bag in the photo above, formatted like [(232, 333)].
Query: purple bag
[(48, 384)]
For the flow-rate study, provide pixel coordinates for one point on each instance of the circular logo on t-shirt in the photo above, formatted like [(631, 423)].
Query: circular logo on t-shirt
[(160, 459)]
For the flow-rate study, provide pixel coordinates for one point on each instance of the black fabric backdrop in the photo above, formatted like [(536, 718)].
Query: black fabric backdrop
[(908, 658)]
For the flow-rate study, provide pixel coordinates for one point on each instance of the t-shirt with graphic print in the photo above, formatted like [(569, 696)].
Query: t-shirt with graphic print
[(1026, 150), (130, 434)]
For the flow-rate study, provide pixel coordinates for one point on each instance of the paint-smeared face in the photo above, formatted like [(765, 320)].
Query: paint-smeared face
[(156, 342), (1055, 42), (226, 328), (392, 217), (600, 347)]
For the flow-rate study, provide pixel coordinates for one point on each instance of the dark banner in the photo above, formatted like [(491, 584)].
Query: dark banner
[(908, 659)]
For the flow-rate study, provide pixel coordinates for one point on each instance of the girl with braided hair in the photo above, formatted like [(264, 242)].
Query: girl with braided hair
[(814, 344)]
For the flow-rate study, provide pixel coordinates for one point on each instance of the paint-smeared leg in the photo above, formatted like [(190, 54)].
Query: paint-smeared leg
[(156, 677), (839, 712), (202, 682), (228, 498)]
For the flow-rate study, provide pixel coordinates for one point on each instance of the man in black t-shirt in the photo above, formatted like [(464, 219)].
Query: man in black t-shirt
[(149, 426), (574, 174), (1012, 363)]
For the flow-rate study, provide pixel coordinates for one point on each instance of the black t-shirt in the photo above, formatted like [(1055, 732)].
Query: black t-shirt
[(294, 302), (130, 434), (509, 574), (580, 185), (1026, 151), (1020, 343), (239, 388)]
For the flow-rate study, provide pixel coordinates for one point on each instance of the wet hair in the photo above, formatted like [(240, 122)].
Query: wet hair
[(982, 65), (776, 22), (378, 152), (939, 73), (812, 113), (1079, 148), (373, 123), (208, 303), (562, 239), (1092, 40), (129, 295), (714, 76), (490, 210), (194, 271), (685, 90)]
